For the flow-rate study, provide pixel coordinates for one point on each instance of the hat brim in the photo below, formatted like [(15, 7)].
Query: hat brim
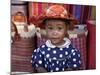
[(39, 20)]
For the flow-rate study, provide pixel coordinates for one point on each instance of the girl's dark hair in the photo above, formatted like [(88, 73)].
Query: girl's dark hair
[(67, 22)]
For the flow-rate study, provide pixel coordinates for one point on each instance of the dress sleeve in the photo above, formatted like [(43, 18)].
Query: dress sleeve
[(74, 61), (37, 58)]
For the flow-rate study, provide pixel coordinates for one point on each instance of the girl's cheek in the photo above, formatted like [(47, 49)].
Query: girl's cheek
[(48, 33)]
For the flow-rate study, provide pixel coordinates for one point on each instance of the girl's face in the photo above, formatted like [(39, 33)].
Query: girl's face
[(56, 31)]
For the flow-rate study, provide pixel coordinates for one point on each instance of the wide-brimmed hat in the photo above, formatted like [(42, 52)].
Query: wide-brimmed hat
[(53, 12)]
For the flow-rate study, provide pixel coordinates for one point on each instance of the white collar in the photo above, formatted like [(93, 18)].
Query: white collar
[(67, 43)]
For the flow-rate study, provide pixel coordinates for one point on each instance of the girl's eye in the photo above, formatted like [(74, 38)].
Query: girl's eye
[(59, 28), (50, 28)]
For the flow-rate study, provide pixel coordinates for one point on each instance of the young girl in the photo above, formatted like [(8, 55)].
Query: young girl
[(57, 54)]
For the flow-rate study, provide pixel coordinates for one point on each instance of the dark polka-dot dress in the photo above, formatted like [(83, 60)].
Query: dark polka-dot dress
[(56, 59)]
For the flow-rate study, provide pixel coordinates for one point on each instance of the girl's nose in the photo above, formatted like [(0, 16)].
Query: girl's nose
[(55, 32)]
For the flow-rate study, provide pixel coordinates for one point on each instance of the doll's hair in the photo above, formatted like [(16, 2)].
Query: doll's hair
[(19, 12)]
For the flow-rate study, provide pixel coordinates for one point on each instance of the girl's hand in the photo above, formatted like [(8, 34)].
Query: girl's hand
[(41, 70), (68, 69)]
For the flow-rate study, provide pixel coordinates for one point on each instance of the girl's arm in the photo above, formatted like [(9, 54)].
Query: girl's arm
[(37, 61), (74, 59)]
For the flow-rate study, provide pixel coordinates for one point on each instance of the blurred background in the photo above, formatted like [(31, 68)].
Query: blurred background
[(85, 40)]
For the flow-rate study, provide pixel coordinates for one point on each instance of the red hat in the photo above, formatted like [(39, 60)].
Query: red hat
[(54, 12)]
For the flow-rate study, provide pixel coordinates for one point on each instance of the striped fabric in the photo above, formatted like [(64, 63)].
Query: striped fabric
[(80, 43), (77, 14), (21, 52), (81, 12)]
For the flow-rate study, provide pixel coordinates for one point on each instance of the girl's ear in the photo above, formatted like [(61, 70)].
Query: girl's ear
[(68, 27), (66, 32), (67, 35), (71, 26)]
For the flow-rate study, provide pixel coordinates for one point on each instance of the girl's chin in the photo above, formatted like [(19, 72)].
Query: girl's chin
[(56, 43)]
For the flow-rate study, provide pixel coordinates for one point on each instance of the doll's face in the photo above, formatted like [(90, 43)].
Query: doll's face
[(19, 17), (56, 31)]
